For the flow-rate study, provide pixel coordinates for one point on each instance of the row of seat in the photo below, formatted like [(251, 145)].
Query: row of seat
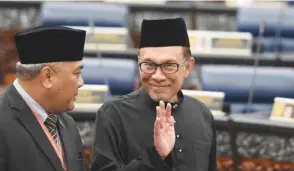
[(118, 74), (85, 14), (277, 21), (237, 81), (278, 33)]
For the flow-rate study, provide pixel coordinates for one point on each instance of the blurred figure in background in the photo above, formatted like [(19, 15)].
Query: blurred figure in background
[(157, 128), (35, 133)]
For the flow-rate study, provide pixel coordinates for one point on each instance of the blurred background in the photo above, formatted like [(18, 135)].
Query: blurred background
[(244, 52)]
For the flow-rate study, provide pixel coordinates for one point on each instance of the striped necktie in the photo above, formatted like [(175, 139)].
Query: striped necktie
[(51, 124)]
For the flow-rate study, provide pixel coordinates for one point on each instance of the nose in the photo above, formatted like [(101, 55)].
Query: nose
[(81, 82), (158, 75)]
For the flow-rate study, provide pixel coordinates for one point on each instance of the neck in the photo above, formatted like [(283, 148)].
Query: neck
[(32, 88), (174, 99)]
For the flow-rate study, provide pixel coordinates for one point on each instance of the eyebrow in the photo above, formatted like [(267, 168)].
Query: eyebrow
[(167, 61), (79, 67)]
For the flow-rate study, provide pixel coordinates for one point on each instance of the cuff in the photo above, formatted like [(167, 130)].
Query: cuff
[(152, 159)]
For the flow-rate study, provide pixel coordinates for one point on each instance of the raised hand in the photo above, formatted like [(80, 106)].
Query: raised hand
[(164, 130)]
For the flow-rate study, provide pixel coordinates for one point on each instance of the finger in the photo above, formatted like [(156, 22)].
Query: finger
[(162, 105), (157, 127), (171, 121), (168, 110), (163, 111), (169, 117), (159, 114)]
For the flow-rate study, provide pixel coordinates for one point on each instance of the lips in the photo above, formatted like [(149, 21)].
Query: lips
[(159, 86)]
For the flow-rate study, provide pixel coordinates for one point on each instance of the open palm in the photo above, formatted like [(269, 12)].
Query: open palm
[(164, 131)]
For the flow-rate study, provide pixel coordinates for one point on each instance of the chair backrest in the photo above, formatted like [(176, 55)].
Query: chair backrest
[(80, 13), (118, 74), (276, 44), (235, 82), (277, 20)]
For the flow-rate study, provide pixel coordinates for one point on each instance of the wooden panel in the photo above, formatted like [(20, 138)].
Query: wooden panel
[(8, 53)]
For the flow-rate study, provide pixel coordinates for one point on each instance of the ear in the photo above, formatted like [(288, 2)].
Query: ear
[(46, 77), (189, 66)]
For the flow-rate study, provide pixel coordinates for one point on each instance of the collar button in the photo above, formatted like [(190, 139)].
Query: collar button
[(175, 106)]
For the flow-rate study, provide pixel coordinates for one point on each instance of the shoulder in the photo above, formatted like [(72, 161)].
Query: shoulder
[(113, 109), (197, 105), (4, 102), (119, 102), (8, 100), (6, 114)]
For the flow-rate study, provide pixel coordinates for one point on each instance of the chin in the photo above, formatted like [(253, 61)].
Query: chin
[(158, 97), (154, 97), (71, 107)]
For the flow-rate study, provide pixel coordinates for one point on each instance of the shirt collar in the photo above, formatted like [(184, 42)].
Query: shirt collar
[(154, 103), (30, 101)]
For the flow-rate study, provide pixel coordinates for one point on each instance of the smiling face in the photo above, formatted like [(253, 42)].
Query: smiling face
[(160, 84)]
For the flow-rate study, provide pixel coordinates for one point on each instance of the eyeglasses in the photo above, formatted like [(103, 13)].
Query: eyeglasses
[(167, 68)]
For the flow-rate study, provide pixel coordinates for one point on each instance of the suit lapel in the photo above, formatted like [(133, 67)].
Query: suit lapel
[(67, 142), (30, 123)]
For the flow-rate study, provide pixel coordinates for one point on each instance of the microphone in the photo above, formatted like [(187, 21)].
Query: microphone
[(278, 47), (256, 57)]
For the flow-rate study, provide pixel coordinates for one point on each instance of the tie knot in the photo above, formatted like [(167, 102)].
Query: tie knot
[(51, 121)]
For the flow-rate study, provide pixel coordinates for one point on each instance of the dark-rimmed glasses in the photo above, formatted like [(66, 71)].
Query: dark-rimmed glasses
[(167, 68)]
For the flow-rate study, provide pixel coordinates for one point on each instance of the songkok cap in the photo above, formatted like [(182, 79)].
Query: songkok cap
[(164, 32), (50, 44)]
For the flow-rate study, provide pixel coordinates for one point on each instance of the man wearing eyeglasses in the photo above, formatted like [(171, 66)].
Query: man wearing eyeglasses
[(157, 128)]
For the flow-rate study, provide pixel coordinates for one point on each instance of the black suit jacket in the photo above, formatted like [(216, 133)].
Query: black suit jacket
[(25, 147)]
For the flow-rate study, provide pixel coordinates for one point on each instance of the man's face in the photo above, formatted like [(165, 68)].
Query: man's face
[(65, 85), (162, 84)]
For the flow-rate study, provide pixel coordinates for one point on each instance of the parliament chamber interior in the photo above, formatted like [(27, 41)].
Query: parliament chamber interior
[(244, 59)]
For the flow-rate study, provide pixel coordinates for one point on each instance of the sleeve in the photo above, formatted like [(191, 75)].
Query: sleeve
[(2, 153), (212, 155), (108, 148)]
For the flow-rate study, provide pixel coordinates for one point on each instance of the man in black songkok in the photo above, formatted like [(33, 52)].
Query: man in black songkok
[(35, 132), (157, 128)]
